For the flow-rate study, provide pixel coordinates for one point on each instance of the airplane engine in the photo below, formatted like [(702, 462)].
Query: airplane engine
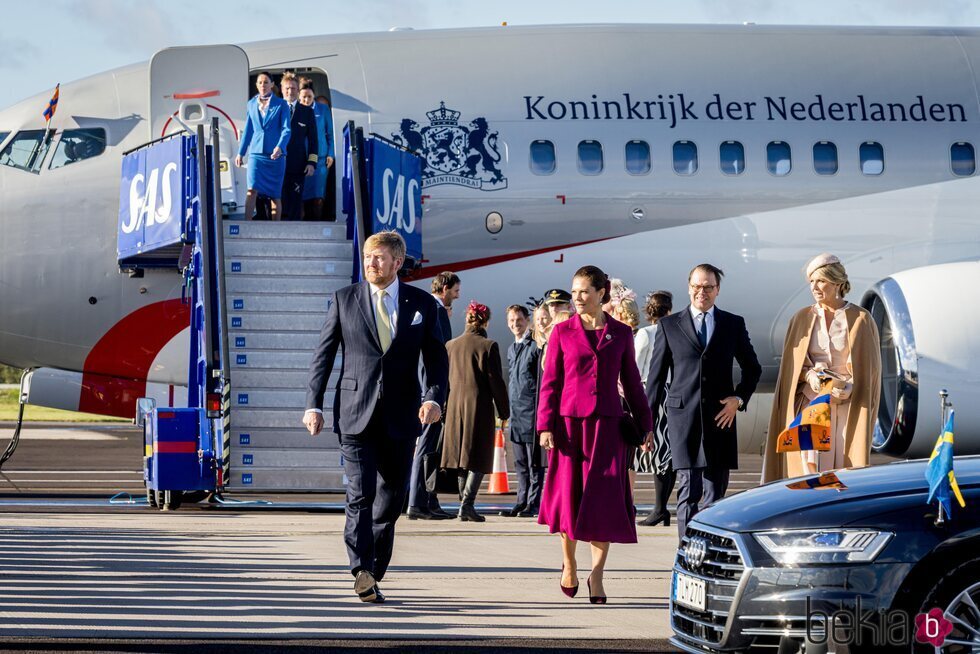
[(99, 394), (927, 319)]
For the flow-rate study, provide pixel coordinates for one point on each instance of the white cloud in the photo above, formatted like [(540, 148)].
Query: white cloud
[(140, 28)]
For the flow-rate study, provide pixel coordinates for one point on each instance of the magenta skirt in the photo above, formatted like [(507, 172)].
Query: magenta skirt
[(586, 492)]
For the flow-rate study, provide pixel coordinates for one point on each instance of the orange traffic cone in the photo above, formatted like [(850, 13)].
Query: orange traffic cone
[(498, 478)]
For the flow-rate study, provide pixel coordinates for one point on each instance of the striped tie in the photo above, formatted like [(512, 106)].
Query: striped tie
[(383, 321)]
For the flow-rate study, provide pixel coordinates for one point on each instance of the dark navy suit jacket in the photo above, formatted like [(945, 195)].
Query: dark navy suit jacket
[(367, 373), (702, 377), (303, 140)]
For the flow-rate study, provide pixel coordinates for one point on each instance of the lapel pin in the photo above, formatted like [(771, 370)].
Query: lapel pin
[(608, 337)]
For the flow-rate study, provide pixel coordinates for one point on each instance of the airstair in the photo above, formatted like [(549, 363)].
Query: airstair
[(280, 280)]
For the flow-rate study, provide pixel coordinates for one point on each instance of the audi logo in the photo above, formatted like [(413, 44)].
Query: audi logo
[(695, 552)]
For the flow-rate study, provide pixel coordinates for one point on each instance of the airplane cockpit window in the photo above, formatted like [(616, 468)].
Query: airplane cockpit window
[(825, 158), (872, 158), (27, 149), (637, 157), (3, 136), (78, 144), (963, 159), (732, 157), (542, 157), (685, 158), (590, 157), (779, 158)]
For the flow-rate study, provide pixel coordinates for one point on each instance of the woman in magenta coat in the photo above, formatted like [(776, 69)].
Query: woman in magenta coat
[(586, 491)]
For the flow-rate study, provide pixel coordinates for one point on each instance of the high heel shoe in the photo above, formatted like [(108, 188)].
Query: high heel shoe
[(595, 599), (571, 591), (656, 518)]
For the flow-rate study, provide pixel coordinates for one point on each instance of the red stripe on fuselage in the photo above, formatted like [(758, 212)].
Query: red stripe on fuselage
[(124, 355), (433, 270)]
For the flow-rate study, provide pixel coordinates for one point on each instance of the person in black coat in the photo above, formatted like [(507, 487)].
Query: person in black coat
[(423, 505), (302, 151), (382, 328), (698, 347), (524, 364)]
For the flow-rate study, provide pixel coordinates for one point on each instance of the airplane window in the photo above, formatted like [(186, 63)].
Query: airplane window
[(3, 136), (963, 159), (872, 158), (779, 158), (590, 157), (685, 158), (26, 150), (825, 158), (78, 144), (732, 156), (542, 157), (637, 157)]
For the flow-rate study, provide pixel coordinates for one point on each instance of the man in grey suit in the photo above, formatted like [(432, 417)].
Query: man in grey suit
[(382, 327)]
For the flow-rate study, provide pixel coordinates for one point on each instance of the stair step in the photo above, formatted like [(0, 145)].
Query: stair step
[(244, 379), (237, 285), (287, 267), (324, 480), (300, 457), (270, 399), (312, 249), (249, 418), (283, 360), (281, 438), (284, 231), (308, 303), (251, 342), (277, 322)]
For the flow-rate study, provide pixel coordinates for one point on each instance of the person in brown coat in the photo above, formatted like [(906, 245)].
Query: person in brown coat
[(833, 345), (477, 379)]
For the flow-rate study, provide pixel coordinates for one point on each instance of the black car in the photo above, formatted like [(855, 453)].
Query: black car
[(853, 560)]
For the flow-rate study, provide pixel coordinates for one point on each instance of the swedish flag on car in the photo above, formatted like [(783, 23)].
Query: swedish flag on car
[(939, 472), (810, 429), (52, 104)]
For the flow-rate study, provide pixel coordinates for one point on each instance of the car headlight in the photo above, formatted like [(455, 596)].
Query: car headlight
[(791, 547)]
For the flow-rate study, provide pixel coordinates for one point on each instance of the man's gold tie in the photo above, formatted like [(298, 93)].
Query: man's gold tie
[(383, 321)]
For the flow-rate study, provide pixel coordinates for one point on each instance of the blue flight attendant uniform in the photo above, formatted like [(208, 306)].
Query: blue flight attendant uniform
[(261, 137), (316, 186)]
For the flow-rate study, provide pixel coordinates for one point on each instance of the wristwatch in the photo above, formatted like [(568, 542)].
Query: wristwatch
[(741, 403)]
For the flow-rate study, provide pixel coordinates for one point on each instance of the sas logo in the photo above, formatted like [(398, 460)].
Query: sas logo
[(147, 205), (452, 153)]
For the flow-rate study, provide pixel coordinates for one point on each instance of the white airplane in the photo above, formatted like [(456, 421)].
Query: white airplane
[(643, 149)]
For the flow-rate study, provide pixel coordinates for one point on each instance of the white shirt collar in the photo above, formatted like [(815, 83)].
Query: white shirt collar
[(439, 300), (392, 289)]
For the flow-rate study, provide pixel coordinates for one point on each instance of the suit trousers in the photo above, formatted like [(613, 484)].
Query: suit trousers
[(378, 469), (530, 476), (695, 486), (292, 194), (418, 497)]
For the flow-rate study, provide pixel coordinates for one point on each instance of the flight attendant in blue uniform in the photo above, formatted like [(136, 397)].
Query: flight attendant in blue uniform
[(265, 137), (315, 188)]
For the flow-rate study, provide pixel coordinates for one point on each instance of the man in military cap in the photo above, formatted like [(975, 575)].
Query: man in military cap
[(557, 300)]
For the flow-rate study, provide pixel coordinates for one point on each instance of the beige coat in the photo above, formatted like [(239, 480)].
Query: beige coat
[(862, 337)]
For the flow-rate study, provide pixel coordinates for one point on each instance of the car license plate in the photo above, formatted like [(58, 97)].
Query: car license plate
[(689, 591)]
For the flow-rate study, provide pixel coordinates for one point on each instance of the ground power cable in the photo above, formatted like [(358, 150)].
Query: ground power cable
[(15, 439)]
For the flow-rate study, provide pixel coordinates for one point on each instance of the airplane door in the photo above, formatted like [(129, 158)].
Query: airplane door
[(194, 85)]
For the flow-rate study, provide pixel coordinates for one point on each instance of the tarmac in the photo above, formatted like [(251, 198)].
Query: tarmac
[(81, 572)]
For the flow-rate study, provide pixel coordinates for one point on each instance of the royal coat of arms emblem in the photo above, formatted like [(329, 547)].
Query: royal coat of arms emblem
[(465, 155)]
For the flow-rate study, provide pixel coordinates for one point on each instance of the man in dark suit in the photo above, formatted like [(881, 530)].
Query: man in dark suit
[(381, 327), (301, 151), (423, 505), (699, 346)]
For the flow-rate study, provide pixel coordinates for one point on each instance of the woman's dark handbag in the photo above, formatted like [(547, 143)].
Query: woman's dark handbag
[(438, 480), (631, 431)]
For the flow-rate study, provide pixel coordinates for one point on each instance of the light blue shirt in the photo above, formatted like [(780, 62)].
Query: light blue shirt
[(698, 317)]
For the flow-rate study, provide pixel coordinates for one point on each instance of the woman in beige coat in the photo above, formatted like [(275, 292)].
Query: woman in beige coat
[(830, 345), (477, 381)]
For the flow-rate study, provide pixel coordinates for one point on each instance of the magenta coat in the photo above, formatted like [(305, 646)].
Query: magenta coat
[(580, 382)]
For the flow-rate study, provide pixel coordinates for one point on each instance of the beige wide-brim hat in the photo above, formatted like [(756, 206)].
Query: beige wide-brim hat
[(819, 261)]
